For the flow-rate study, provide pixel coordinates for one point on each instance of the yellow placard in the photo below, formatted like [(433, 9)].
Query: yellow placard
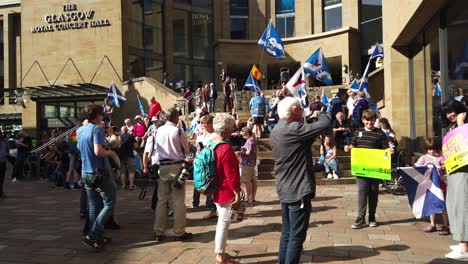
[(371, 163), (455, 149)]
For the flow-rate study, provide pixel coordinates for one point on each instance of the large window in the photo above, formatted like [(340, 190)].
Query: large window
[(181, 33), (370, 23), (285, 14), (145, 37), (202, 37), (239, 17), (332, 14)]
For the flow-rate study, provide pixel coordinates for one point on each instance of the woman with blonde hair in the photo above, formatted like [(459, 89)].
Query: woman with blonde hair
[(228, 193)]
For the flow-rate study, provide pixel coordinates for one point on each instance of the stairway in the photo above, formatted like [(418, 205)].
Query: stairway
[(266, 169)]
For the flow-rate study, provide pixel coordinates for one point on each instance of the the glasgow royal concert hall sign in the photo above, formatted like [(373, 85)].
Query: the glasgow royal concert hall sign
[(70, 19)]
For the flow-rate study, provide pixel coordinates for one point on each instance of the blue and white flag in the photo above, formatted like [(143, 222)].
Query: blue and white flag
[(462, 64), (354, 86), (317, 67), (142, 110), (437, 90), (115, 96), (324, 98), (376, 53), (297, 87), (252, 84), (271, 42), (424, 190)]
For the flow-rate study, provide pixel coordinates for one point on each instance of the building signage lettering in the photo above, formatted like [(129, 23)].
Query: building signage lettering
[(70, 19)]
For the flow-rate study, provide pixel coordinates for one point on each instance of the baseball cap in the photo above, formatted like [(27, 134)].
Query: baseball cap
[(154, 118), (137, 116)]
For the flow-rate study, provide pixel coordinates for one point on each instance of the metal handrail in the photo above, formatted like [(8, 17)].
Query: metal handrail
[(57, 138)]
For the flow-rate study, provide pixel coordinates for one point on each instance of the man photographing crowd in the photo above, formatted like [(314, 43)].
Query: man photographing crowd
[(292, 140), (95, 176)]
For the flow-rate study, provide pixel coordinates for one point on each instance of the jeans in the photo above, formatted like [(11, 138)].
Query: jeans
[(330, 165), (295, 222), (209, 201), (224, 220), (212, 105), (368, 192), (18, 167), (99, 215)]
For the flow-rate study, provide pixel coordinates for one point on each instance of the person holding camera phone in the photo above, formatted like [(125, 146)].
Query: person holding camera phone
[(171, 144), (95, 177)]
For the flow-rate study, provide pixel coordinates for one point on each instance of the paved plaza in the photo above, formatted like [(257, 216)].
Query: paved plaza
[(40, 224)]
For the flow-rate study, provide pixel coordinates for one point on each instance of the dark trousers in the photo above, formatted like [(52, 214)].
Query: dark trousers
[(295, 222), (209, 201), (227, 104), (368, 193), (2, 175), (18, 168)]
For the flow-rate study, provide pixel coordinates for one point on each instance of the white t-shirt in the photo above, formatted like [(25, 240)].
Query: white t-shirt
[(150, 148), (350, 105)]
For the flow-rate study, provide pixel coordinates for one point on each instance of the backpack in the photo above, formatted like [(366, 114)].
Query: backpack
[(204, 169)]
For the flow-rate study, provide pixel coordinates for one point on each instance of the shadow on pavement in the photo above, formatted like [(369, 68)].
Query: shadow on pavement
[(331, 254)]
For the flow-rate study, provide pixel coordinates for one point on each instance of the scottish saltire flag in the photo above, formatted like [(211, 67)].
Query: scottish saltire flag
[(377, 52), (317, 67), (115, 96), (324, 98), (424, 190), (354, 86), (252, 84), (142, 110), (462, 64), (297, 87), (271, 42), (437, 90)]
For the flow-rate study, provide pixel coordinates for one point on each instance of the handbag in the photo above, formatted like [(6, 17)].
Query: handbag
[(318, 164)]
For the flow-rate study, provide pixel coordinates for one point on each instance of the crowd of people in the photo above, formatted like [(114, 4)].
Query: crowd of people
[(159, 146)]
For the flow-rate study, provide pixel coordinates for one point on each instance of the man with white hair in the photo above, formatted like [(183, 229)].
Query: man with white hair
[(291, 141)]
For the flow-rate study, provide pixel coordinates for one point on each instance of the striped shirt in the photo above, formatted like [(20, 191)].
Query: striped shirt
[(374, 139)]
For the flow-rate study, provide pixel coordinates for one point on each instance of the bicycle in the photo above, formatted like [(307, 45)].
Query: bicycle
[(396, 185)]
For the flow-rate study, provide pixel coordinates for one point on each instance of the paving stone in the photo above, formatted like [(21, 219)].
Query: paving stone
[(36, 232)]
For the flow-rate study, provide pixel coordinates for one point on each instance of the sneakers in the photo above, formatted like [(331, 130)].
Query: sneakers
[(185, 236), (359, 223), (329, 176), (455, 247), (335, 176), (94, 244), (457, 254), (373, 224)]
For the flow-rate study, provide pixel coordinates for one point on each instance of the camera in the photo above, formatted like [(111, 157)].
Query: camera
[(184, 173)]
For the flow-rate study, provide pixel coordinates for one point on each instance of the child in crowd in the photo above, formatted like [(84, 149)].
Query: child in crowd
[(330, 162), (368, 188), (432, 158)]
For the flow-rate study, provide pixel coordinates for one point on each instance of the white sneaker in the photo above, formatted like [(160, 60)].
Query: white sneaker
[(14, 180), (456, 254), (455, 247), (329, 176), (335, 176)]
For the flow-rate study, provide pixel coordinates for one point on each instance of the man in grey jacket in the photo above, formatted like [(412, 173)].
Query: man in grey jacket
[(291, 141)]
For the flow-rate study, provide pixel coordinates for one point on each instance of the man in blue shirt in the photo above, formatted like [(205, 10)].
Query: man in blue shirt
[(257, 110), (96, 179)]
